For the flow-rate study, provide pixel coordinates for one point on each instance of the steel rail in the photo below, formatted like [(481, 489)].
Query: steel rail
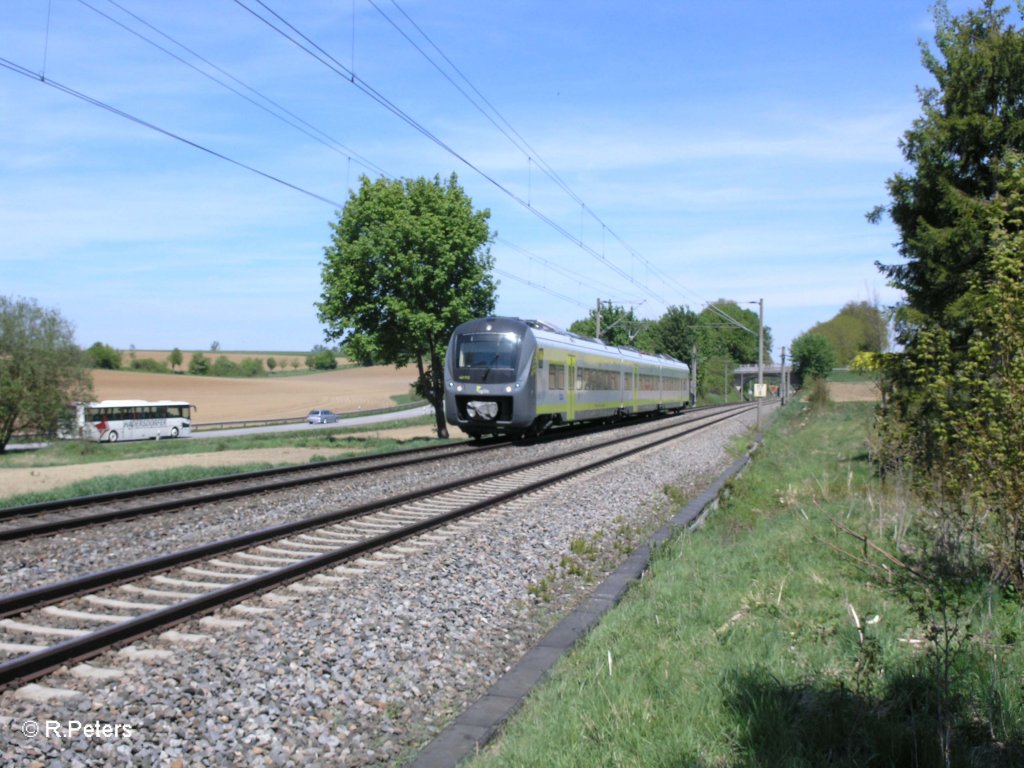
[(33, 665), (310, 474), (184, 485), (169, 505)]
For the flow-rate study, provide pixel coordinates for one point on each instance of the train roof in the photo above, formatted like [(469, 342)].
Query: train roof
[(544, 329), (547, 327)]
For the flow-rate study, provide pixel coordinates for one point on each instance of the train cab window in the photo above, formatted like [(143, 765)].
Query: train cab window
[(488, 350)]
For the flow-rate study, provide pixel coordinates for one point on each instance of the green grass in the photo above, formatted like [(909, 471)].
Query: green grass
[(63, 452), (741, 647)]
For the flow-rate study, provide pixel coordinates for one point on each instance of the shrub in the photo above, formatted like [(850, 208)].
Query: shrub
[(321, 359), (199, 365), (251, 366), (104, 356), (149, 365)]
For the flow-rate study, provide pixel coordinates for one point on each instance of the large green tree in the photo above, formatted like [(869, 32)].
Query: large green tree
[(951, 394), (42, 370), (676, 333), (969, 118), (619, 326), (813, 357), (859, 326), (729, 330), (408, 261)]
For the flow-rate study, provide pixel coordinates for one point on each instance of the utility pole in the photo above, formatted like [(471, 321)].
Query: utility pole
[(782, 378), (760, 359), (597, 321)]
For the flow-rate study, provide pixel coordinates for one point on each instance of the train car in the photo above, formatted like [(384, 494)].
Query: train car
[(504, 375)]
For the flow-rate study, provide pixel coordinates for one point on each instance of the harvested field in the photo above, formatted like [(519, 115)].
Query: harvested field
[(270, 397), (853, 391), (219, 399)]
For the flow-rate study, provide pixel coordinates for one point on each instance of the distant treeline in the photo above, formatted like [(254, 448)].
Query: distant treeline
[(200, 364)]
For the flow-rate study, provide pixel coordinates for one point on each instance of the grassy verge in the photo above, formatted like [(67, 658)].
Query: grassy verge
[(778, 635), (61, 452)]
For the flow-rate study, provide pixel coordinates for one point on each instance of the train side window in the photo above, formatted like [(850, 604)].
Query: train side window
[(556, 376)]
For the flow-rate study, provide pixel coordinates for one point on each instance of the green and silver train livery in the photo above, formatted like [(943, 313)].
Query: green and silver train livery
[(509, 376)]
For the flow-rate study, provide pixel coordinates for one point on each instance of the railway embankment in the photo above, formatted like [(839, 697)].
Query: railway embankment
[(366, 666), (801, 624)]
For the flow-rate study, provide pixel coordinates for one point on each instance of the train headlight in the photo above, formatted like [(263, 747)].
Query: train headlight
[(458, 387), (508, 389)]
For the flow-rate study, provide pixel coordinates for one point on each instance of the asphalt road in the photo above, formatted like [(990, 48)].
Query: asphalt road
[(348, 421)]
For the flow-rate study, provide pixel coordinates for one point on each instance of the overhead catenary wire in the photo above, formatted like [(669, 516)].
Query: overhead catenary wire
[(313, 49), (531, 154), (152, 126), (274, 109), (480, 102), (324, 57)]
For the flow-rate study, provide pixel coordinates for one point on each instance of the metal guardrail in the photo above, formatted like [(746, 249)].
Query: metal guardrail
[(213, 425)]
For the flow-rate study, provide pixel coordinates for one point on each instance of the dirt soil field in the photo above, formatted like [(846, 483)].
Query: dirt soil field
[(853, 391), (218, 400), (270, 397)]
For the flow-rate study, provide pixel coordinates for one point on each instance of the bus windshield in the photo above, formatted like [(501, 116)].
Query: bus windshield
[(487, 350)]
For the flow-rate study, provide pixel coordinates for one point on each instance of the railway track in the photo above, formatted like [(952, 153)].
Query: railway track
[(49, 626), (52, 517)]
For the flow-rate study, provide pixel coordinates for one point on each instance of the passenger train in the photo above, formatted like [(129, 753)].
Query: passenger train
[(504, 375)]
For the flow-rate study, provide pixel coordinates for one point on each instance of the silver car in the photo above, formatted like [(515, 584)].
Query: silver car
[(321, 416)]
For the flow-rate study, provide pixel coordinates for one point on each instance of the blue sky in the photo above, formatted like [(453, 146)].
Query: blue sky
[(712, 150)]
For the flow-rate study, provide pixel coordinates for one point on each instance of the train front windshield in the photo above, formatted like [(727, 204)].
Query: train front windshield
[(487, 350)]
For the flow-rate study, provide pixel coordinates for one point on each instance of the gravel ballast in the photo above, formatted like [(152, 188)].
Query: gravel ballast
[(356, 669)]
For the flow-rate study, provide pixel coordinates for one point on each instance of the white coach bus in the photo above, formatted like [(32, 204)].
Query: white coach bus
[(109, 421)]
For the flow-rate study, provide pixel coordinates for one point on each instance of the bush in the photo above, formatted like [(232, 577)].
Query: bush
[(149, 365), (817, 392), (321, 360), (251, 366), (199, 365), (227, 368), (222, 366), (104, 356)]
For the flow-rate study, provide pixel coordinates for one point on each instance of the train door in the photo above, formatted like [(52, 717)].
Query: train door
[(636, 380), (570, 388)]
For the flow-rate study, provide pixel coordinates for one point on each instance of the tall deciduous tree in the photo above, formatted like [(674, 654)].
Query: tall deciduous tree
[(42, 370), (619, 326), (721, 338), (408, 261), (676, 333), (858, 327), (813, 357)]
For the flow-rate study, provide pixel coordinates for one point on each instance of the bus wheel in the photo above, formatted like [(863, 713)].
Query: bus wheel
[(174, 432), (112, 437)]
